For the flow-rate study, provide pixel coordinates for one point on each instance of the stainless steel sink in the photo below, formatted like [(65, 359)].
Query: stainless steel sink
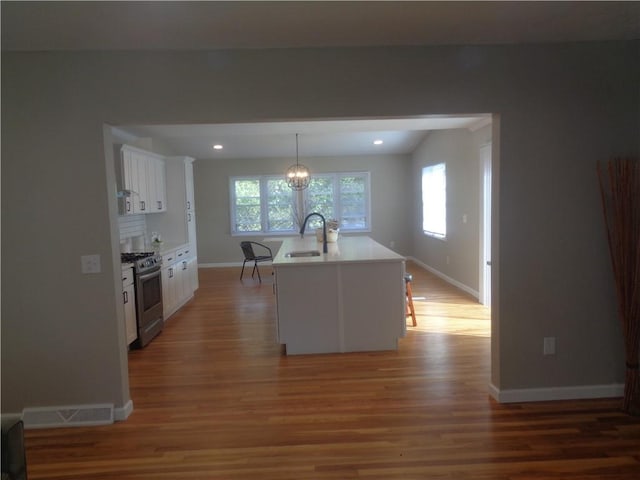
[(303, 253)]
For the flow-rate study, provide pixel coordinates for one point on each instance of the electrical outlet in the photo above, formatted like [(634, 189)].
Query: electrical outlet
[(549, 346), (90, 263)]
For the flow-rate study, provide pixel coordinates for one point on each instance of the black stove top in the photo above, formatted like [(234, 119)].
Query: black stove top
[(134, 256), (143, 262)]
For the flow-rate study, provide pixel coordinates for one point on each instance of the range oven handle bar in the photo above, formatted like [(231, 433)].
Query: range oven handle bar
[(149, 274)]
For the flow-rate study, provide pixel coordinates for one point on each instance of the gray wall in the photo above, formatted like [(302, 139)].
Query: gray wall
[(562, 108), (390, 196), (458, 149)]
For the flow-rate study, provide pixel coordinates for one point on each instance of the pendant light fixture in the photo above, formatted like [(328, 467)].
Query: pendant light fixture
[(297, 175)]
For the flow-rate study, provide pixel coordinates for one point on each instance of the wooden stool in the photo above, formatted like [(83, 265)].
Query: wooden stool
[(410, 310)]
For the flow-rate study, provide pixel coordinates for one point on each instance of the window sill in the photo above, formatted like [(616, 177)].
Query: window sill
[(292, 232), (442, 238)]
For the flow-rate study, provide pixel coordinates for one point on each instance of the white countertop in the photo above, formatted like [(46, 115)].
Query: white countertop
[(168, 247), (346, 249)]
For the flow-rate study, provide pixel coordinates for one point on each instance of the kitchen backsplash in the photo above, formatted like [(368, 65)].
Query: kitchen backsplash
[(132, 226)]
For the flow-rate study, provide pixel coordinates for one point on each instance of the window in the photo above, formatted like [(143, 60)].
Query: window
[(265, 204), (246, 205), (354, 202), (279, 211), (434, 200), (261, 204)]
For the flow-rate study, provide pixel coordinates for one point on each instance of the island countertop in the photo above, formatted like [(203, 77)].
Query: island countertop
[(345, 250)]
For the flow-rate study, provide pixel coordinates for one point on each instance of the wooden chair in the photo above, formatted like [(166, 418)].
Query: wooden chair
[(250, 256), (410, 310)]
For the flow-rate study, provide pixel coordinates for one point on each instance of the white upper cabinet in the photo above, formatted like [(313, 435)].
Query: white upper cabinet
[(188, 173), (161, 185), (178, 225), (144, 176)]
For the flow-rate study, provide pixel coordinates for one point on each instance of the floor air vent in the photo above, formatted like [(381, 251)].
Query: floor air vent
[(82, 415)]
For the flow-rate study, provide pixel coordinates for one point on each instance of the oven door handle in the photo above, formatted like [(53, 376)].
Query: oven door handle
[(149, 275)]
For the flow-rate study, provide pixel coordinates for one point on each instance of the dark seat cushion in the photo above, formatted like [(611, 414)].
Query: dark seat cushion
[(14, 460)]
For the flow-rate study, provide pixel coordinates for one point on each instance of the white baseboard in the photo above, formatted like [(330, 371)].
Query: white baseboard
[(9, 418), (220, 265), (122, 413), (73, 415), (68, 416), (446, 278), (229, 264), (578, 392)]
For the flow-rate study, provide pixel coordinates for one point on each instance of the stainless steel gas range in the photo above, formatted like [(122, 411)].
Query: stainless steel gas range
[(148, 289)]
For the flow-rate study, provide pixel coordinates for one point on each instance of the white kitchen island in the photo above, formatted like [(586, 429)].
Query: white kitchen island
[(348, 300)]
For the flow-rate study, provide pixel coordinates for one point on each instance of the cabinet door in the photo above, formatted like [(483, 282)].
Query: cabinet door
[(150, 180), (156, 189), (193, 275), (191, 229), (139, 181), (169, 298), (165, 292), (188, 173), (159, 178), (181, 275), (144, 174), (128, 172), (130, 313)]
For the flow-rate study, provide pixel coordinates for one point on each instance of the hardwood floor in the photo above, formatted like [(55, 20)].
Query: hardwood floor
[(214, 398)]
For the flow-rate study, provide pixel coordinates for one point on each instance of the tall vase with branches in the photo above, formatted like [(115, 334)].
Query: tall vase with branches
[(620, 190)]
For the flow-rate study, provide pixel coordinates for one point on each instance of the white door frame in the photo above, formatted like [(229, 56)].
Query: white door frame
[(485, 224)]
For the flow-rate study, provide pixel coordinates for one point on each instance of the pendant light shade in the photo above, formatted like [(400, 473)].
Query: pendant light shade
[(297, 175)]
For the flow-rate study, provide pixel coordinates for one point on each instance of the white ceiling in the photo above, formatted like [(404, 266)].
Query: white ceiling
[(185, 25), (316, 139)]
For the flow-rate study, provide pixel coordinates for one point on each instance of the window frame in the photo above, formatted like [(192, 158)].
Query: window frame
[(440, 235), (233, 204), (297, 199)]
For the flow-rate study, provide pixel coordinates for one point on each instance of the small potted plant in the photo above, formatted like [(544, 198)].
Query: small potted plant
[(156, 241)]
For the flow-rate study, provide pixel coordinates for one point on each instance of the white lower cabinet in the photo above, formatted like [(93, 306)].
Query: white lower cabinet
[(179, 279), (129, 300), (193, 274)]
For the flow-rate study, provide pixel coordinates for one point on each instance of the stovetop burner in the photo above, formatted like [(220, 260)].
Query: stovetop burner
[(143, 262), (132, 257)]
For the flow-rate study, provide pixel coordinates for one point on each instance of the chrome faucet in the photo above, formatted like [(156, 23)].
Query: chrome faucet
[(324, 229)]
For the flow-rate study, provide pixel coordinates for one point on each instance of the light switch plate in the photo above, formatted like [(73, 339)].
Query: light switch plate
[(549, 346), (90, 263)]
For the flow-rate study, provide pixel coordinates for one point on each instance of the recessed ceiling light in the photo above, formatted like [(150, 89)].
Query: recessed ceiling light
[(217, 146), (378, 142)]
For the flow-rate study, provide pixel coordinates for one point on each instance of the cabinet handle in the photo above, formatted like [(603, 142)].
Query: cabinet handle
[(159, 205), (188, 217), (171, 272), (188, 205), (128, 205), (184, 265), (126, 297), (142, 205)]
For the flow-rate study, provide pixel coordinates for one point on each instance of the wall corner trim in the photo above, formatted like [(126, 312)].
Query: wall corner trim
[(120, 414)]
